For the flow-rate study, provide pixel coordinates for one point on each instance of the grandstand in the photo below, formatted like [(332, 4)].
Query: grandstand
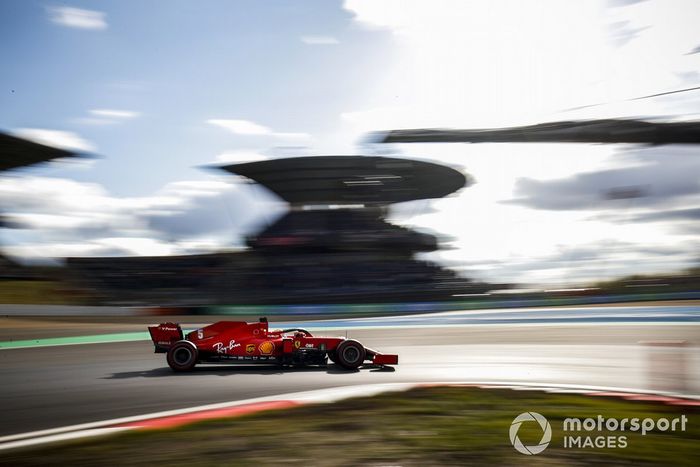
[(334, 245), (16, 153)]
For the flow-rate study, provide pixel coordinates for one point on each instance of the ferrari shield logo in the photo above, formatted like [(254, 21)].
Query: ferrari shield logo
[(250, 348)]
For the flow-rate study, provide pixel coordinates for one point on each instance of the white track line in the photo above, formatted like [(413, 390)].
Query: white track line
[(318, 396), (23, 443)]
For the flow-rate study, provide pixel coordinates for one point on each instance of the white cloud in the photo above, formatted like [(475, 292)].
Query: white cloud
[(481, 64), (103, 117), (111, 113), (380, 118), (319, 40), (43, 202), (506, 242), (292, 136), (55, 138), (78, 18), (138, 246), (248, 128), (484, 63), (193, 189), (391, 14), (55, 218), (241, 127)]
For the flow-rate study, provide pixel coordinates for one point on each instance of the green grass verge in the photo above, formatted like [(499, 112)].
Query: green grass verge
[(427, 426)]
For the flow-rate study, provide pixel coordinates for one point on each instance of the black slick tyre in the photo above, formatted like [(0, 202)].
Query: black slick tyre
[(182, 356), (350, 354)]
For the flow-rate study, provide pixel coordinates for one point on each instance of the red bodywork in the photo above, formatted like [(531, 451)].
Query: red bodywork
[(238, 341)]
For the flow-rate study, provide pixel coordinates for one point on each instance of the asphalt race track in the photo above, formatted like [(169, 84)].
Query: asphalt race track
[(47, 387)]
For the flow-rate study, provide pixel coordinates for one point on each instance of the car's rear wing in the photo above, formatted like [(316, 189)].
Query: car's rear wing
[(164, 335)]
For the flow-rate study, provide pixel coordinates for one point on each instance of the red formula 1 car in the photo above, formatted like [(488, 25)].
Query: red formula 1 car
[(241, 342)]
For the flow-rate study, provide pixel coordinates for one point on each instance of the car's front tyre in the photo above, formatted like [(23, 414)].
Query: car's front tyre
[(350, 354)]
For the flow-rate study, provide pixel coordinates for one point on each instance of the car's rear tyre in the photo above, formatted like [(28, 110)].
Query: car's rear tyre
[(349, 354), (182, 356)]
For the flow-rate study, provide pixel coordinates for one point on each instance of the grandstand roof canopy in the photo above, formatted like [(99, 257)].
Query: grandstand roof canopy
[(351, 179), (581, 131), (18, 152)]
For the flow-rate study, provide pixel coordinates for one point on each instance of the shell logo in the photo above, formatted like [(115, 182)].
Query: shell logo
[(266, 348)]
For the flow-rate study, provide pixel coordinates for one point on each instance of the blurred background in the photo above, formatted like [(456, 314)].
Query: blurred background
[(330, 160), (156, 95)]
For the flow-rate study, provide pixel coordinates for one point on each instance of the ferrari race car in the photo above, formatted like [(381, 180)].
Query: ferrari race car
[(241, 342)]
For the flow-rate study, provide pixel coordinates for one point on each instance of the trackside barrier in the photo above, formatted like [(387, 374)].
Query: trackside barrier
[(347, 309), (424, 307)]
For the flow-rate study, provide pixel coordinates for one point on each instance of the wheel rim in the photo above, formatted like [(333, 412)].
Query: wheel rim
[(351, 354), (182, 356)]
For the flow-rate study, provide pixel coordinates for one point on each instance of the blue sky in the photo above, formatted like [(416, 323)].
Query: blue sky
[(178, 64), (157, 89)]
